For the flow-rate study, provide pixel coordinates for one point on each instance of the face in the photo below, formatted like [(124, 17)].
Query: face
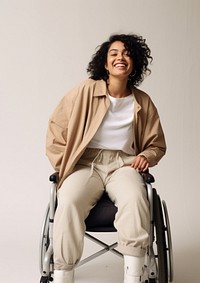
[(119, 63)]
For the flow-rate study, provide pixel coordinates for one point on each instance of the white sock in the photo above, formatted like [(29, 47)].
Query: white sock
[(63, 276), (133, 269)]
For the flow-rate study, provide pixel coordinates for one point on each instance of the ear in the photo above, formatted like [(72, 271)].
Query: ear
[(106, 66)]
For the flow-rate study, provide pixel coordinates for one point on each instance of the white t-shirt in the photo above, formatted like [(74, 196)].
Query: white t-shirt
[(116, 129)]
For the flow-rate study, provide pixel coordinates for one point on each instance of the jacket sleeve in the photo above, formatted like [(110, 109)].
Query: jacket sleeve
[(153, 145), (56, 138)]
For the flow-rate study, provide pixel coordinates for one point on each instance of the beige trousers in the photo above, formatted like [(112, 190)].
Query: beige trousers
[(98, 171)]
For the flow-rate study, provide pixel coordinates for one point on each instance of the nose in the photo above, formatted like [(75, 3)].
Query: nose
[(120, 55)]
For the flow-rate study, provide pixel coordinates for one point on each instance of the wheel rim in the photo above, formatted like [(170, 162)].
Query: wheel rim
[(43, 239)]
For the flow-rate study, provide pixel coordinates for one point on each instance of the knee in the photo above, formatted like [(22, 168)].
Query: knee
[(69, 203), (134, 199), (67, 196)]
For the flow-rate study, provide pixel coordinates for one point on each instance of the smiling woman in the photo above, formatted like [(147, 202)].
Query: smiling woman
[(135, 47), (120, 65), (119, 57), (101, 136)]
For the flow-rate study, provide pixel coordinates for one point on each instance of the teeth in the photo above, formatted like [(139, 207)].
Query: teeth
[(120, 65)]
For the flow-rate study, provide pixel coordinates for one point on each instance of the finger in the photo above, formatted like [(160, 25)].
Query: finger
[(145, 166), (135, 163)]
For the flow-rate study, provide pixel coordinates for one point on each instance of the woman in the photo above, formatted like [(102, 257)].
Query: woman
[(101, 136)]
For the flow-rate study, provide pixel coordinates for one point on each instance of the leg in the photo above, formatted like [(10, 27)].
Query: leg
[(126, 188), (78, 194)]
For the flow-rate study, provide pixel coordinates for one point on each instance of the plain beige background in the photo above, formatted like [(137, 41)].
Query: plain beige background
[(45, 46)]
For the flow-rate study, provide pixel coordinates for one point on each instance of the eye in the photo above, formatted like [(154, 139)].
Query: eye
[(127, 54), (113, 53)]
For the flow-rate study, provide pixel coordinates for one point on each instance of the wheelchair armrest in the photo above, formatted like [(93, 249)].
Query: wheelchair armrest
[(54, 177), (148, 178)]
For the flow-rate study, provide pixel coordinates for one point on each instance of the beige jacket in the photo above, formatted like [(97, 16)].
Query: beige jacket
[(80, 113)]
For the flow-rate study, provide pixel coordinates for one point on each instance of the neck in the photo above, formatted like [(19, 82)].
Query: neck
[(118, 88)]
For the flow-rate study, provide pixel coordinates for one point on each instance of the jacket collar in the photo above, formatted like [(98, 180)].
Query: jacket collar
[(100, 88)]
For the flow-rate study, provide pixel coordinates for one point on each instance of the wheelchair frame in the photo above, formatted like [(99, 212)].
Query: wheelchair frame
[(159, 257)]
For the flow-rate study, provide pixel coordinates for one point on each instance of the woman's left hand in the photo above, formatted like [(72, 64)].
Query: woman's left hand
[(140, 163)]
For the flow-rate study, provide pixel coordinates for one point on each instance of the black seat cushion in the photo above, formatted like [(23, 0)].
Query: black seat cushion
[(102, 216)]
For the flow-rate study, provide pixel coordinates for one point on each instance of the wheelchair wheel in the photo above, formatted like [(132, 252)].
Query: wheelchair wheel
[(46, 256), (161, 256), (169, 243), (44, 239)]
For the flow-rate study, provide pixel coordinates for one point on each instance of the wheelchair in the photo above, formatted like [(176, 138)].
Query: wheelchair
[(158, 266)]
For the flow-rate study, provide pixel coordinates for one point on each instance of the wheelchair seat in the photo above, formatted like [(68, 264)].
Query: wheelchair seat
[(102, 216)]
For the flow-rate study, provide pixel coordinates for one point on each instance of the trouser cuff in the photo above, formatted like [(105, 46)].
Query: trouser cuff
[(67, 267), (132, 251)]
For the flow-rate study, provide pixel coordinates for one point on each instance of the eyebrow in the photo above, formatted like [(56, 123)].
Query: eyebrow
[(115, 49)]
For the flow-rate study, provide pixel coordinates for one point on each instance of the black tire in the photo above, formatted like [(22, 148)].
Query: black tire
[(170, 263), (160, 239)]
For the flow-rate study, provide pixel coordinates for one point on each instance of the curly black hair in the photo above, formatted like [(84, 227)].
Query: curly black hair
[(138, 51)]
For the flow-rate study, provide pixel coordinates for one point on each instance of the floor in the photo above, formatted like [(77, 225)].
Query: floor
[(106, 268)]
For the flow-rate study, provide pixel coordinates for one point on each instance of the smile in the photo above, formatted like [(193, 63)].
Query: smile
[(119, 65)]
